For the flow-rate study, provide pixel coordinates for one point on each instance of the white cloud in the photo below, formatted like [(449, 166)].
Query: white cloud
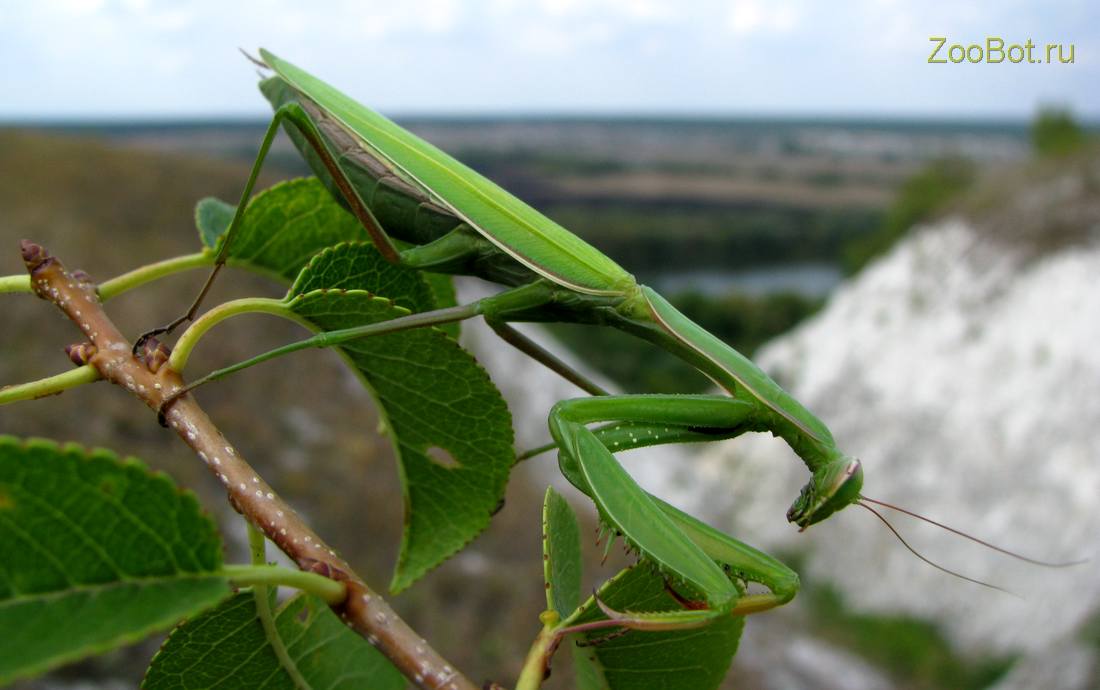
[(103, 56), (440, 16), (175, 19), (561, 8), (747, 17), (646, 10), (78, 8), (550, 40)]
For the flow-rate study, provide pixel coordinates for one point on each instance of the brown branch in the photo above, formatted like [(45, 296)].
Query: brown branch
[(145, 377)]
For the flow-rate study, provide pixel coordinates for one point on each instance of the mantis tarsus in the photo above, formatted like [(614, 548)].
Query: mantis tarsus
[(450, 219)]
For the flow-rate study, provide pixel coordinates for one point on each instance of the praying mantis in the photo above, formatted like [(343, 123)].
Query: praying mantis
[(425, 210)]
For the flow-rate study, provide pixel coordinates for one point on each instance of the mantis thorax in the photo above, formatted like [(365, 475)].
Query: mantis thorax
[(634, 305)]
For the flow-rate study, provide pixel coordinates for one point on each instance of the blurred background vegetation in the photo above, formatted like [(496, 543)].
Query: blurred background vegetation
[(746, 225)]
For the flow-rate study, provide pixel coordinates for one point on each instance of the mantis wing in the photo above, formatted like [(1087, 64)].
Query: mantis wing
[(530, 237)]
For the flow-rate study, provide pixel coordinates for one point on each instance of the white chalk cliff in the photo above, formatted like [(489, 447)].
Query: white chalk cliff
[(963, 368)]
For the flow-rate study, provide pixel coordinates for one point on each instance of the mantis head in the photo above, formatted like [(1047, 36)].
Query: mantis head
[(832, 487)]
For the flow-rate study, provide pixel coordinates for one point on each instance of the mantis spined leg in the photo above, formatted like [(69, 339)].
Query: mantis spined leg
[(684, 549)]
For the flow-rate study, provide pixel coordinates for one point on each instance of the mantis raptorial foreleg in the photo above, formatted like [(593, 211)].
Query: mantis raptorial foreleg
[(683, 548)]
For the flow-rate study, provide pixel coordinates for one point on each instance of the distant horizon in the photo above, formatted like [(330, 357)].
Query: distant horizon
[(550, 116)]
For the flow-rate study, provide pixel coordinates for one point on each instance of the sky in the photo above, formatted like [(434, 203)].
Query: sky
[(71, 59)]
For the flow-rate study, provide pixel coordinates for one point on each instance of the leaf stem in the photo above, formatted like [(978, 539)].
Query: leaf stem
[(331, 591), (262, 594), (198, 328), (19, 283), (150, 272), (51, 385), (537, 664), (127, 281), (327, 589), (257, 546), (337, 337)]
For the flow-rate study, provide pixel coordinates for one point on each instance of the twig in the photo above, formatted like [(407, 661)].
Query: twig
[(145, 377)]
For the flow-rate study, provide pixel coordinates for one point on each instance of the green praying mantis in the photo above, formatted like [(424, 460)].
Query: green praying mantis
[(425, 210)]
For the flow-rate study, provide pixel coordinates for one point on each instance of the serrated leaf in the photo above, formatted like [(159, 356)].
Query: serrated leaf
[(359, 266), (228, 647), (282, 228), (693, 659), (449, 425), (561, 554), (97, 552)]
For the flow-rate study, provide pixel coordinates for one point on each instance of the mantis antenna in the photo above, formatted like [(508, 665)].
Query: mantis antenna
[(964, 535), (930, 562)]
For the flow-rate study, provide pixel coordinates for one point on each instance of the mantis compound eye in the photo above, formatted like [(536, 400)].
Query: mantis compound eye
[(831, 488)]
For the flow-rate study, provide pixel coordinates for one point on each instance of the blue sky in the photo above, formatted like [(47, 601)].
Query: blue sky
[(140, 58)]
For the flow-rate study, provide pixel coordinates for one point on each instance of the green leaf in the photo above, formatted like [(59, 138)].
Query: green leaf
[(359, 266), (282, 228), (449, 425), (212, 218), (694, 659), (97, 552), (227, 647), (561, 554)]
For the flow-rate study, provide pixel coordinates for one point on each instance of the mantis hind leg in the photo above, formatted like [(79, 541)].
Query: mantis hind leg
[(459, 247), (544, 357), (684, 549), (223, 249), (293, 113)]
